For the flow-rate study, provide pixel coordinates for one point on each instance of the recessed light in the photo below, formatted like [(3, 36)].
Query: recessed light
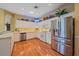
[(31, 12), (50, 4), (22, 9), (35, 7)]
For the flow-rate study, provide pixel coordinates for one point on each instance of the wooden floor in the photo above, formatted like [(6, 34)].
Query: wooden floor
[(33, 47)]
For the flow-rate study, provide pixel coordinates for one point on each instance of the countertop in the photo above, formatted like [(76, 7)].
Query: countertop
[(5, 34)]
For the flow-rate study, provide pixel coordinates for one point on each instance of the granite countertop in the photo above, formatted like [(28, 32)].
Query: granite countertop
[(5, 34)]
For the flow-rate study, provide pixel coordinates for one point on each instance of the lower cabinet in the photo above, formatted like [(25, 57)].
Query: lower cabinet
[(43, 36), (5, 46)]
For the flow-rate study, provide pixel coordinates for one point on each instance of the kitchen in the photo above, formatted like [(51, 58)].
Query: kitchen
[(54, 31)]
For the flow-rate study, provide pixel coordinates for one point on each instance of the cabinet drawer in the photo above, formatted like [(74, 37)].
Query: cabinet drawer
[(68, 50)]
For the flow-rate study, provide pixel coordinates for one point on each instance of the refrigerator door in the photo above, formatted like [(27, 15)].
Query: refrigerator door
[(54, 27), (61, 27), (69, 34), (68, 27)]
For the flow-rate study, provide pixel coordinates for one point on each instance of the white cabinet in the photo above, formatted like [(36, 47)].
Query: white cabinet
[(48, 37), (25, 24), (31, 35), (44, 36), (5, 46)]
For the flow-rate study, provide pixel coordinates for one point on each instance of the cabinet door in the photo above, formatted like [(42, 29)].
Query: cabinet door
[(43, 36), (68, 50), (5, 47), (48, 37), (54, 44)]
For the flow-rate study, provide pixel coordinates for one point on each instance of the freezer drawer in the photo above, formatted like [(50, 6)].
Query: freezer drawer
[(61, 47), (68, 51), (69, 42)]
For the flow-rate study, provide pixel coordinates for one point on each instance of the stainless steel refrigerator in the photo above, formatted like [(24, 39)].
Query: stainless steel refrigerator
[(63, 35)]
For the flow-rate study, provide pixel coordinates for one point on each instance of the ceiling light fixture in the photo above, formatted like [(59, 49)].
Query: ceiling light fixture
[(50, 4), (35, 7), (31, 12), (22, 9)]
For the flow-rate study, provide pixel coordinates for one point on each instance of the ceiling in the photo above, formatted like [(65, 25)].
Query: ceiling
[(29, 9)]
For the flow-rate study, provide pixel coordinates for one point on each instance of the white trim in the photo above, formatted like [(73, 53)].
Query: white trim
[(68, 14)]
